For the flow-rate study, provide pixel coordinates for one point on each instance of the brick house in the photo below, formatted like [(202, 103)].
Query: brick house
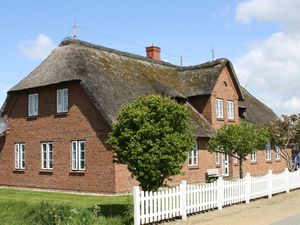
[(61, 113)]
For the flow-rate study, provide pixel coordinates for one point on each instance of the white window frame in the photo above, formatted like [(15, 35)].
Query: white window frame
[(230, 110), (193, 155), (33, 104), (78, 163), (253, 156), (217, 158), (20, 156), (277, 152), (219, 108), (268, 152), (47, 155), (62, 100)]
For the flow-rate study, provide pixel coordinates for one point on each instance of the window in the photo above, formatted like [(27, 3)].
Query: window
[(235, 158), (219, 108), (217, 158), (47, 155), (20, 156), (193, 155), (230, 110), (268, 152), (78, 155), (277, 152), (62, 101), (253, 156), (33, 104)]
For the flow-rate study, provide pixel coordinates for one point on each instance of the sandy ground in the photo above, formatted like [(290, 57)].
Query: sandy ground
[(259, 212)]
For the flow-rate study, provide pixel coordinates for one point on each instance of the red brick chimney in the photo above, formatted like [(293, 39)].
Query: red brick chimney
[(153, 52)]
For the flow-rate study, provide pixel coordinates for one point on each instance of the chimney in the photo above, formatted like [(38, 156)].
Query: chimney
[(153, 52)]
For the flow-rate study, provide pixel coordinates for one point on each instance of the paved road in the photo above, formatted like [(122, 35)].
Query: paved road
[(293, 220), (279, 210)]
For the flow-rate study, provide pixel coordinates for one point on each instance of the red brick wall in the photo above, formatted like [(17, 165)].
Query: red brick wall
[(82, 122), (225, 93)]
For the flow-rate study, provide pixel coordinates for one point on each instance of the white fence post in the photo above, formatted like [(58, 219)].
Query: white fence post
[(270, 184), (220, 192), (136, 201), (247, 188), (183, 199), (286, 176)]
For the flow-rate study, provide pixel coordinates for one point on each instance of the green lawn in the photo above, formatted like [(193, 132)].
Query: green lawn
[(22, 207)]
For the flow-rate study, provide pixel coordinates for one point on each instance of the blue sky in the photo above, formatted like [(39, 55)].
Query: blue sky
[(258, 36)]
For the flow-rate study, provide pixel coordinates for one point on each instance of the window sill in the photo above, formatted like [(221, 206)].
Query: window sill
[(77, 173), (253, 163), (268, 161), (21, 171), (231, 120), (193, 167), (277, 160), (62, 114), (218, 165), (220, 119), (46, 172), (235, 163), (31, 118)]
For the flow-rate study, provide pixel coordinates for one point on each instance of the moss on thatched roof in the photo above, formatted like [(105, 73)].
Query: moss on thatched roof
[(256, 112), (113, 78)]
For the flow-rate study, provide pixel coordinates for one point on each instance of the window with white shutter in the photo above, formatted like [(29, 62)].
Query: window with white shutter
[(219, 108), (33, 104), (78, 155), (230, 110), (193, 155), (47, 155), (62, 100), (20, 156)]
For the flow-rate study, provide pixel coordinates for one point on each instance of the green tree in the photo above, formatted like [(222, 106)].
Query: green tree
[(152, 136), (238, 140), (285, 133)]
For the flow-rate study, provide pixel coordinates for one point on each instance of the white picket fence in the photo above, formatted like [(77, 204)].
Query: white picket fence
[(186, 199)]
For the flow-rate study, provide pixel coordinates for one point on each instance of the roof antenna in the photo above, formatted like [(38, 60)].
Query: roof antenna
[(74, 31), (181, 60), (212, 54)]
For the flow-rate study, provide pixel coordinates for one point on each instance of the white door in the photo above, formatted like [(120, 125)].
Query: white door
[(225, 165)]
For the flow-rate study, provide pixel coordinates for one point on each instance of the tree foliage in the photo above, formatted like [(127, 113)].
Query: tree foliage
[(152, 136), (238, 140), (285, 132)]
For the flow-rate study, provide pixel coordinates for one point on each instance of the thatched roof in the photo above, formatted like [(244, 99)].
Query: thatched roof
[(202, 127), (201, 79), (113, 78), (255, 111)]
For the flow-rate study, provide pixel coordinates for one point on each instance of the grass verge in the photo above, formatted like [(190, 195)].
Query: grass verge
[(22, 207)]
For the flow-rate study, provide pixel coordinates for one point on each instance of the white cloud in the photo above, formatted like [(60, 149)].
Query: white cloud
[(285, 12), (37, 49), (271, 67)]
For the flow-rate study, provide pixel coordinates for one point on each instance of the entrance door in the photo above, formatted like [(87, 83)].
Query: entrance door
[(225, 165)]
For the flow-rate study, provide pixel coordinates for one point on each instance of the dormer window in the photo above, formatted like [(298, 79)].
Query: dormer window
[(33, 104), (62, 101), (230, 110), (219, 108)]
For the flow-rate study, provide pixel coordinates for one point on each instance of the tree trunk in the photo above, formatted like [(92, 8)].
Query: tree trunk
[(290, 165), (241, 167)]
